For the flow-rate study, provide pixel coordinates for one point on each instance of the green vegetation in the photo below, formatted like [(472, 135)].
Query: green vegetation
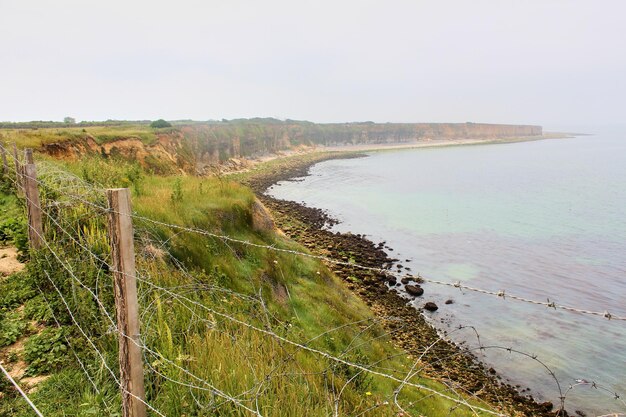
[(11, 328), (35, 138), (47, 351), (12, 223), (193, 289), (191, 145), (157, 124)]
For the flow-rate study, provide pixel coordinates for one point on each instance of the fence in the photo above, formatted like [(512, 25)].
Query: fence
[(133, 351)]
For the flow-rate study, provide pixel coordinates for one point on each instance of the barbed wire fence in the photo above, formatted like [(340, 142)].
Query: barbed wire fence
[(63, 191)]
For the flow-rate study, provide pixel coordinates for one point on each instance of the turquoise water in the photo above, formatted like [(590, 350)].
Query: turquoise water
[(543, 219)]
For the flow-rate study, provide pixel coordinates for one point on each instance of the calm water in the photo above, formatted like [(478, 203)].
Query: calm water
[(544, 219)]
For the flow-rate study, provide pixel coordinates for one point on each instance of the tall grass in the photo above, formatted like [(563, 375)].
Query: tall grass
[(297, 298), (34, 138)]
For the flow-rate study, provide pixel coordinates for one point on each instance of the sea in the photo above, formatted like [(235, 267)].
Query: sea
[(544, 220)]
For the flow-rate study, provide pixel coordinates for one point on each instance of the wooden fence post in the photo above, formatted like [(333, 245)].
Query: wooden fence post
[(28, 156), (5, 164), (126, 305), (33, 205)]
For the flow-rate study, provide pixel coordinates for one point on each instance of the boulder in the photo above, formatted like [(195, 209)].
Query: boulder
[(261, 218), (414, 290), (430, 306)]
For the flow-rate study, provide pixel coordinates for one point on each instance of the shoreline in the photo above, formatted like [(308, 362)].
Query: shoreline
[(305, 151), (445, 360), (440, 143)]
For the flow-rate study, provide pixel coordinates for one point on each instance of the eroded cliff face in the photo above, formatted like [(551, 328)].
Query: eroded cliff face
[(198, 148)]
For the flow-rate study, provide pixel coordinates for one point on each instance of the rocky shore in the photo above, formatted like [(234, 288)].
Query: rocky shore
[(442, 360)]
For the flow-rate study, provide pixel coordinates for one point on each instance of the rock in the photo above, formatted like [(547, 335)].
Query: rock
[(546, 406), (405, 280), (261, 218), (449, 302), (414, 290), (392, 281), (430, 306)]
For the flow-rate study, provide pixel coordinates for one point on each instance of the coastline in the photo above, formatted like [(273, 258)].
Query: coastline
[(244, 166), (438, 143), (444, 360)]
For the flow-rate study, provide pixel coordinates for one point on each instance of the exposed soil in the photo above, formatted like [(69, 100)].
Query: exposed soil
[(17, 368), (444, 361), (8, 262)]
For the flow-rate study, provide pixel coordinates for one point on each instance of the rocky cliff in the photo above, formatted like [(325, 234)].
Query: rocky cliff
[(196, 147)]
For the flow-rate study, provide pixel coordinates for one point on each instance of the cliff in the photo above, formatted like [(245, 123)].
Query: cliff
[(195, 147)]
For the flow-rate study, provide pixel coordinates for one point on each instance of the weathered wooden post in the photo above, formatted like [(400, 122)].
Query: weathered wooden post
[(28, 156), (5, 164), (126, 305), (33, 205)]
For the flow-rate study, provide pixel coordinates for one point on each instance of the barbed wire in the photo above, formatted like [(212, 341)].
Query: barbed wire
[(233, 319), (482, 347), (174, 292), (80, 362), (503, 294), (103, 309), (115, 328), (276, 336), (549, 303), (93, 345)]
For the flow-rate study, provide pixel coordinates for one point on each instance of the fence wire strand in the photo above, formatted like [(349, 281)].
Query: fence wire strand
[(79, 191)]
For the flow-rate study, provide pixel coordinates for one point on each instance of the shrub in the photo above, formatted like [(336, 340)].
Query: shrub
[(157, 124), (177, 191)]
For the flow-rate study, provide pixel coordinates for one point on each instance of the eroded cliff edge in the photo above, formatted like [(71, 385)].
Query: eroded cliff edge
[(197, 147)]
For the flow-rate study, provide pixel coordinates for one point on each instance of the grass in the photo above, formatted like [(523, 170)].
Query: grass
[(35, 138), (294, 297)]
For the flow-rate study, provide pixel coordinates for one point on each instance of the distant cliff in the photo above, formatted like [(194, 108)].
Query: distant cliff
[(194, 146)]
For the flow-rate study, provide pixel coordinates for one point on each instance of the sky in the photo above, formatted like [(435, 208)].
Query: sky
[(549, 62)]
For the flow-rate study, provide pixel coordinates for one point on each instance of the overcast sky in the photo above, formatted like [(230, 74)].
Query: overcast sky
[(551, 62)]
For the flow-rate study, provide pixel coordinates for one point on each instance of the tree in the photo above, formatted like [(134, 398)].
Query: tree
[(69, 120), (160, 123)]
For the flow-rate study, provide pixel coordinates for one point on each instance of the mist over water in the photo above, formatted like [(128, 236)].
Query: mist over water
[(543, 219)]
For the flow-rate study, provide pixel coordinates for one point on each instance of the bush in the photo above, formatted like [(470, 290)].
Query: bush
[(177, 191), (157, 124)]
